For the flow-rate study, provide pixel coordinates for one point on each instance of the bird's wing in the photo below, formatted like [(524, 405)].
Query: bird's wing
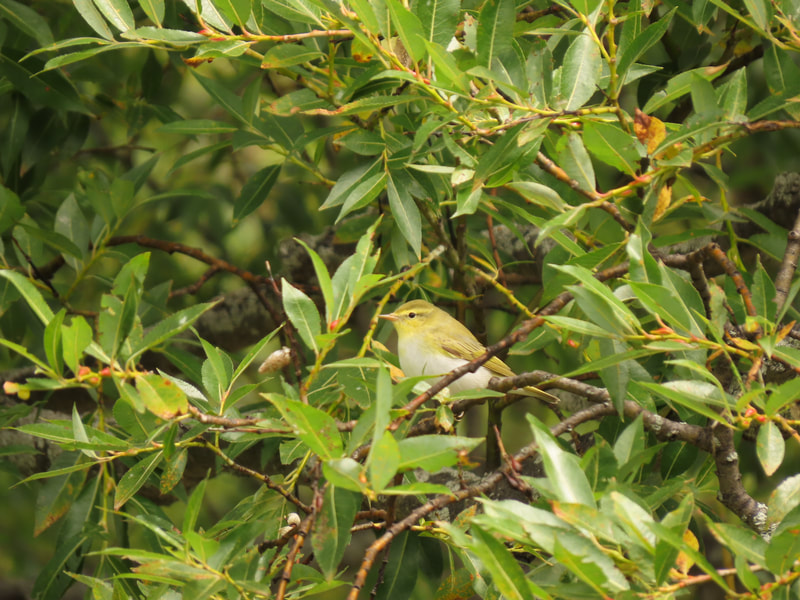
[(472, 349)]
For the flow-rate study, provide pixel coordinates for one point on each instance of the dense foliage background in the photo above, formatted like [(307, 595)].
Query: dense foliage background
[(596, 186)]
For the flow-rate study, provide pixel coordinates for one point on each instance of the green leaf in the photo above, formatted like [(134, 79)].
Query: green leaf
[(154, 9), (31, 295), (401, 573), (193, 506), (698, 396), (224, 97), (505, 150), (741, 541), (345, 473), (53, 239), (495, 30), (415, 489), (373, 15), (52, 342), (770, 447), (60, 432), (785, 394), (552, 228), (563, 469), (507, 574), (26, 20), (189, 157), (304, 11), (79, 431), (680, 85), (170, 327), (439, 20), (384, 391), (676, 541), (331, 534), (539, 195), (132, 275), (133, 480), (630, 442), (784, 546), (580, 72), (116, 320), (665, 304), (255, 191), (644, 41), (448, 74), (405, 212), (589, 564), (761, 12), (73, 57), (237, 11), (578, 326), (216, 372), (433, 452), (633, 518), (251, 355), (176, 37), (117, 12), (71, 223), (575, 160), (763, 292), (161, 396), (316, 428), (11, 209), (409, 28), (610, 144), (615, 374), (48, 582), (678, 521), (197, 127), (365, 143), (92, 16), (16, 131), (323, 279), (58, 494), (384, 459), (504, 517), (363, 194), (600, 303), (467, 201), (302, 313), (173, 471), (348, 181), (366, 105), (284, 55)]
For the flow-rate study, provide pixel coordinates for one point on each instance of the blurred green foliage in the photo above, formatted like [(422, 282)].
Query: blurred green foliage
[(580, 180)]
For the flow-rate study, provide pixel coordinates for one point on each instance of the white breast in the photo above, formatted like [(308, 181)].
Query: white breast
[(415, 362)]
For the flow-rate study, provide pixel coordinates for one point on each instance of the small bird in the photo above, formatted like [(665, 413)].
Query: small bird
[(431, 342)]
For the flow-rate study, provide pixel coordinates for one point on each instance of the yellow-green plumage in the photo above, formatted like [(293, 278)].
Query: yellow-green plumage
[(431, 342)]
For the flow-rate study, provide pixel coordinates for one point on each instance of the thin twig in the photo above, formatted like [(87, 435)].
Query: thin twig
[(715, 439), (193, 288), (300, 538), (783, 279), (587, 414), (560, 174), (555, 305), (265, 479)]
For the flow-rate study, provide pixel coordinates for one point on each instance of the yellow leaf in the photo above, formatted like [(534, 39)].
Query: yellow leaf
[(664, 200), (650, 130), (683, 563)]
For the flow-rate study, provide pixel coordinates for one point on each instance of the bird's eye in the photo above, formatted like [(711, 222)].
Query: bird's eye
[(411, 315)]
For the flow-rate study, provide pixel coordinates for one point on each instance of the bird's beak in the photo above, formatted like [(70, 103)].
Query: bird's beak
[(389, 317)]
